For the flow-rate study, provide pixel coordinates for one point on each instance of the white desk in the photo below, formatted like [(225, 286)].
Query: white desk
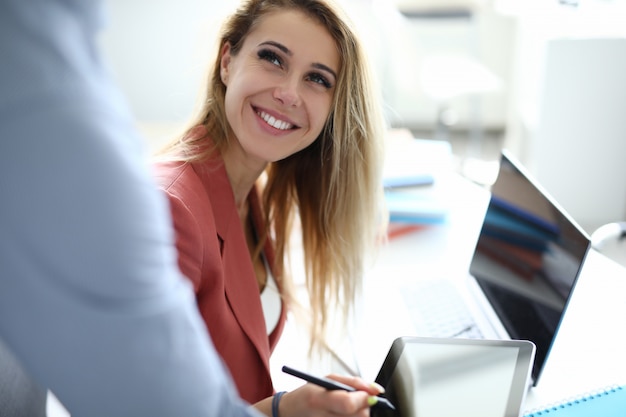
[(435, 250), (590, 351)]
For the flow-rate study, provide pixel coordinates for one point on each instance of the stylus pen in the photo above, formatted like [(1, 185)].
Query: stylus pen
[(329, 384)]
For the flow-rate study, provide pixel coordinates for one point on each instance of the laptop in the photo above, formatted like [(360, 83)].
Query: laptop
[(523, 270)]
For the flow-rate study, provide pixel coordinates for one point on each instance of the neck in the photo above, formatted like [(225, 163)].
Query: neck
[(243, 172)]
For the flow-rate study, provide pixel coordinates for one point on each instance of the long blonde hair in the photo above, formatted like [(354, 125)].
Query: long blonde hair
[(333, 187)]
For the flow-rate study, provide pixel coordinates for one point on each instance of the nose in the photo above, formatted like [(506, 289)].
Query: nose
[(288, 92)]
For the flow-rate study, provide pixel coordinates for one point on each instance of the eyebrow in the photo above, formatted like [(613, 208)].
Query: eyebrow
[(287, 51)]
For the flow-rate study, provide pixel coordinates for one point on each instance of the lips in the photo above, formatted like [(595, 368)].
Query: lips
[(274, 122)]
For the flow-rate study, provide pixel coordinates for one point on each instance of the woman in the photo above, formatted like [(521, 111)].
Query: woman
[(289, 130)]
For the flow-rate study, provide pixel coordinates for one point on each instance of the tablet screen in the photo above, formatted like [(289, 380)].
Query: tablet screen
[(432, 377)]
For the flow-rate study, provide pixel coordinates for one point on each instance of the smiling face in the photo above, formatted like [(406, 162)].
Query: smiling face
[(280, 85)]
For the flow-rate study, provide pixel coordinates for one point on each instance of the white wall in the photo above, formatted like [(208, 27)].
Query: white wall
[(579, 149), (159, 49), (566, 111)]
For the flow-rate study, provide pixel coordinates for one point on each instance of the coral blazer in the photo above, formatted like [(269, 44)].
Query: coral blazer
[(214, 255)]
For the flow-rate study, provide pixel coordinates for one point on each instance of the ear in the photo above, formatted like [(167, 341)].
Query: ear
[(225, 62)]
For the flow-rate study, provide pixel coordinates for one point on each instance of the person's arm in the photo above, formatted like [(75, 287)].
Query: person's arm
[(91, 299)]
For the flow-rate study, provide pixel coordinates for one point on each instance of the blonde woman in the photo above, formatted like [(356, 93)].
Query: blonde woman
[(289, 130)]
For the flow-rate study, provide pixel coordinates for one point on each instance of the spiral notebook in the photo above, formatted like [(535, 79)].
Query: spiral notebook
[(609, 402)]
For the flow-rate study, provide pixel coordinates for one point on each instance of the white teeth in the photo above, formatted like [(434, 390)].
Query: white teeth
[(272, 121)]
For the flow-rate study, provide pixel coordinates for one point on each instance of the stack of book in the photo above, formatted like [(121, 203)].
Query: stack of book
[(412, 169)]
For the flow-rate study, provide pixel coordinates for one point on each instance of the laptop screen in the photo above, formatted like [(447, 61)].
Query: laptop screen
[(528, 257)]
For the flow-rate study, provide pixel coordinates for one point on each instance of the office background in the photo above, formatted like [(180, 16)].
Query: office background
[(543, 78)]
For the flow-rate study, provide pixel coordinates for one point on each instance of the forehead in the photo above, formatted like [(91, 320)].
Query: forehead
[(304, 36)]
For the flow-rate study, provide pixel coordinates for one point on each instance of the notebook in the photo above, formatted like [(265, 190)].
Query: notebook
[(610, 402), (523, 270)]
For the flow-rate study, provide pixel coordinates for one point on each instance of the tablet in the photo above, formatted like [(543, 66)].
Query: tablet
[(434, 377)]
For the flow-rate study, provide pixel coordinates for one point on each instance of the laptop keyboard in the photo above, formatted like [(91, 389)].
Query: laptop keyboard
[(438, 310)]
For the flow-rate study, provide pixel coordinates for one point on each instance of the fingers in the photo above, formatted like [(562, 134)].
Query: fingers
[(348, 403), (371, 388), (312, 400), (343, 403)]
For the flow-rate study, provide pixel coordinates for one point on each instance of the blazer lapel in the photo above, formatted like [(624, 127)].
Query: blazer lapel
[(240, 285)]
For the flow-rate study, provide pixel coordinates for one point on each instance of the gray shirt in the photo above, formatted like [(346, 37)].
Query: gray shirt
[(91, 300)]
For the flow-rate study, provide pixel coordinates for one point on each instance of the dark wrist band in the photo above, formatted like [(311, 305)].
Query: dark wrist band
[(276, 401)]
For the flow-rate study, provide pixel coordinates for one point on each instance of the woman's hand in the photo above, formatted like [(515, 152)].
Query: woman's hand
[(313, 401)]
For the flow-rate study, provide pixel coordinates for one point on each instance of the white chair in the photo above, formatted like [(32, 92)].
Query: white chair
[(447, 76)]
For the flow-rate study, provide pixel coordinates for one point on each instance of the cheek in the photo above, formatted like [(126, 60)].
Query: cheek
[(234, 113), (321, 113), (242, 86), (233, 102), (229, 107)]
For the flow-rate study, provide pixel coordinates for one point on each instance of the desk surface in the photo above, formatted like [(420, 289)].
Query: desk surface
[(588, 353), (589, 350)]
